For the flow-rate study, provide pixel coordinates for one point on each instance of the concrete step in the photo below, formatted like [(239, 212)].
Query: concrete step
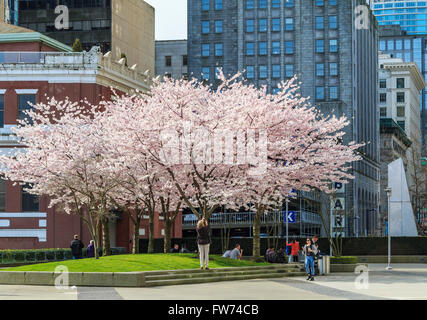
[(223, 277), (217, 273), (195, 271)]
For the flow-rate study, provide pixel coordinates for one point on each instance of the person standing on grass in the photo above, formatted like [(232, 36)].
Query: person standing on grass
[(309, 259), (203, 242), (91, 249), (76, 247)]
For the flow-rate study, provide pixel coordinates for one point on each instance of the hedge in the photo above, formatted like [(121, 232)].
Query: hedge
[(45, 255), (374, 246), (344, 260)]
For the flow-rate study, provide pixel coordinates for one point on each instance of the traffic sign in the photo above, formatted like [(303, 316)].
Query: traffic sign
[(291, 216)]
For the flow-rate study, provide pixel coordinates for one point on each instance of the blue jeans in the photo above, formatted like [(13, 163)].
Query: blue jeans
[(309, 265)]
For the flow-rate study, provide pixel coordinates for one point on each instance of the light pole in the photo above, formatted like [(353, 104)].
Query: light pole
[(287, 222), (388, 192)]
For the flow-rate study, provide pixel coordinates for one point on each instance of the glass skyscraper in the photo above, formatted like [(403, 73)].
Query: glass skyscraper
[(410, 15)]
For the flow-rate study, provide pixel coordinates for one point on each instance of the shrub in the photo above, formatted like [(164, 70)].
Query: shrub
[(50, 255), (68, 254), (30, 256), (59, 255), (41, 256), (344, 260), (20, 256)]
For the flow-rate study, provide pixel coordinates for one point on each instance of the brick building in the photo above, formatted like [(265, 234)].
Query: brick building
[(34, 67)]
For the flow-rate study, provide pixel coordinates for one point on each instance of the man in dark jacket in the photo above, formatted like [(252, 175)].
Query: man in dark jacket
[(76, 247)]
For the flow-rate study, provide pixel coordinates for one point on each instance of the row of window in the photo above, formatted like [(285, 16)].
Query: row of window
[(400, 97), (400, 112), (275, 24), (400, 4), (23, 105), (262, 4), (218, 5), (29, 202), (400, 83), (168, 60)]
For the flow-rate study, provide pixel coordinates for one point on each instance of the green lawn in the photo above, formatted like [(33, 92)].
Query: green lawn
[(140, 262)]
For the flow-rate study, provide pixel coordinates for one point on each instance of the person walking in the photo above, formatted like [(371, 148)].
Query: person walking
[(309, 259), (91, 249), (294, 250), (203, 242), (76, 247)]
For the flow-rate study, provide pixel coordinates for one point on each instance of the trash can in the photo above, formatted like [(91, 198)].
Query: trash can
[(324, 265)]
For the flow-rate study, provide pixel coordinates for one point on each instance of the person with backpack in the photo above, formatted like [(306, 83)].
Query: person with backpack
[(76, 247), (308, 250)]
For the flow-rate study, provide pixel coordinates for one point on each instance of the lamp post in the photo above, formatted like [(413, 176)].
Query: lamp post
[(388, 192), (287, 222)]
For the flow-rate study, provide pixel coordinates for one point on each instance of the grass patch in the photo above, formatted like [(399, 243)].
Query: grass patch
[(139, 262)]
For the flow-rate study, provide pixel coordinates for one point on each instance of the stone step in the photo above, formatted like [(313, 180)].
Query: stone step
[(268, 267), (225, 277), (208, 274)]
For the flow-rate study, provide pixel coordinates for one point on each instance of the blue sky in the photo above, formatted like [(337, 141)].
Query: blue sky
[(171, 19)]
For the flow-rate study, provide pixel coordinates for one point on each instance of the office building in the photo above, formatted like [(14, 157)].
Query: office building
[(171, 59), (335, 59)]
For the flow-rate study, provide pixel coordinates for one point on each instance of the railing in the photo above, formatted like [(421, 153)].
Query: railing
[(247, 219)]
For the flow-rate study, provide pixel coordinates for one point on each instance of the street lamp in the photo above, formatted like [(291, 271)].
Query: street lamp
[(287, 222), (388, 192)]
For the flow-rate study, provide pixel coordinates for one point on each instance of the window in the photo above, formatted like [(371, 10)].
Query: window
[(262, 25), (399, 44), (250, 72), (168, 75), (400, 111), (218, 26), (205, 27), (30, 203), (382, 45), (401, 124), (383, 112), (262, 4), (206, 73), (205, 5), (168, 61), (320, 69), (23, 100), (320, 46), (400, 97), (333, 22), (250, 48), (333, 45), (262, 48), (218, 4), (184, 60), (289, 47), (289, 70), (250, 4), (1, 110), (218, 49), (289, 24), (320, 93), (333, 93), (289, 3), (333, 69), (319, 23), (319, 3), (275, 3), (383, 83), (276, 71), (400, 83), (218, 71), (332, 2), (2, 195), (262, 72), (275, 25), (206, 48), (390, 44), (383, 97), (275, 47), (250, 25)]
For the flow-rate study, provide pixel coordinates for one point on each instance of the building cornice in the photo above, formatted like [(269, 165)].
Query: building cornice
[(34, 37), (412, 67)]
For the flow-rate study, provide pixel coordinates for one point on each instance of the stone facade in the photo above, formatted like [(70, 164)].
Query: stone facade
[(172, 59), (340, 79)]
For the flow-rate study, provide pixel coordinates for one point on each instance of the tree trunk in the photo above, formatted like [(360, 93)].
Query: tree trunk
[(135, 246), (106, 249), (256, 247), (151, 233), (167, 236)]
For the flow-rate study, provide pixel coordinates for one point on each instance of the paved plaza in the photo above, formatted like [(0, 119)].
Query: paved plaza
[(405, 281)]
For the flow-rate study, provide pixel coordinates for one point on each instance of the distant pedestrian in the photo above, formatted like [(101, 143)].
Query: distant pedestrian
[(294, 250), (289, 251), (175, 248), (91, 249), (203, 242), (309, 259), (76, 247), (316, 251)]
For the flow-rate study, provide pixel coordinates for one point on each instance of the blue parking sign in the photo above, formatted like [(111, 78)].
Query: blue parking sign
[(291, 216)]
